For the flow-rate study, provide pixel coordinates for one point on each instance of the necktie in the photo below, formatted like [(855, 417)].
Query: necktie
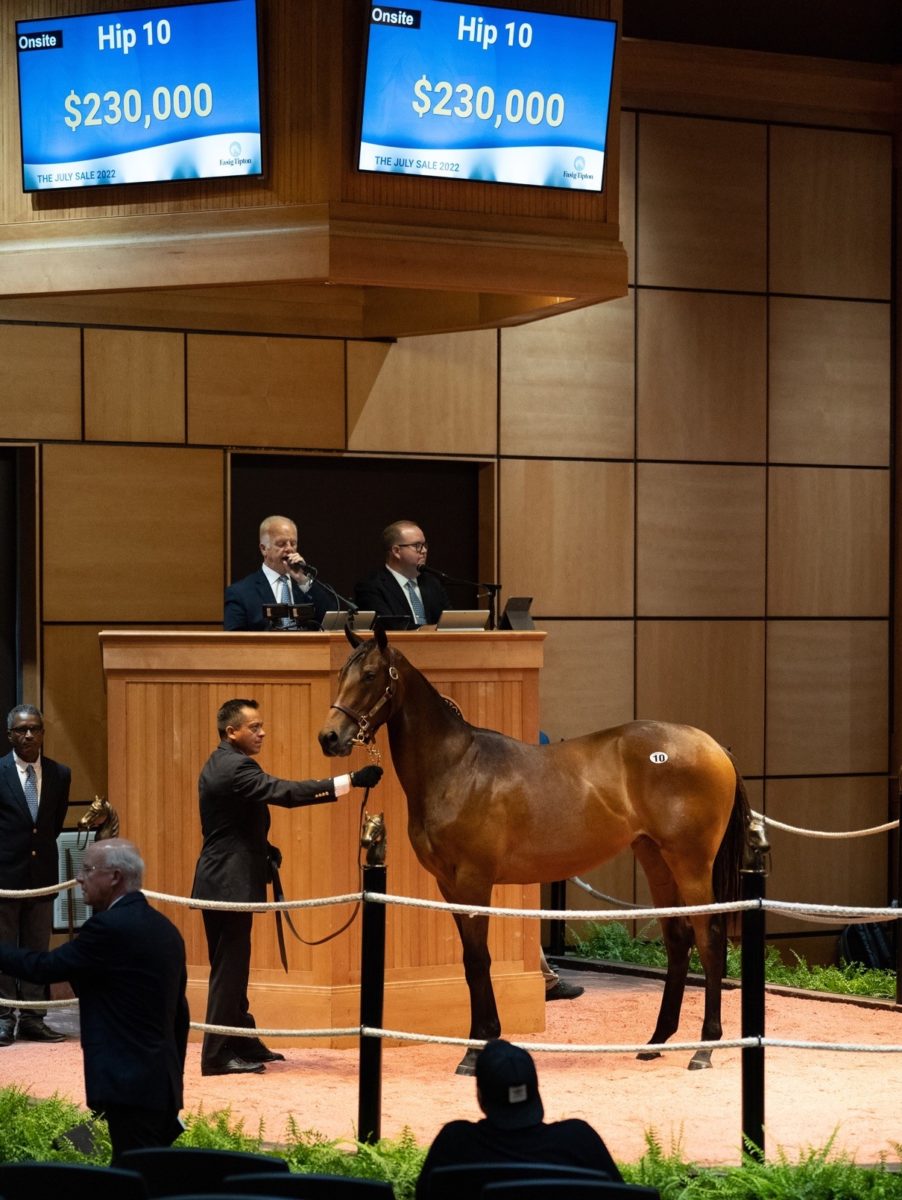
[(419, 613), (31, 792), (285, 596)]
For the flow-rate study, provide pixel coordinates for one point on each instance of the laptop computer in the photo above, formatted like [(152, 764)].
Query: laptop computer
[(362, 619), (463, 619)]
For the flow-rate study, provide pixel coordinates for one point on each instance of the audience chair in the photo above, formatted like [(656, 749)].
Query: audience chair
[(72, 1181), (215, 1196), (467, 1179), (302, 1186), (562, 1188), (179, 1170)]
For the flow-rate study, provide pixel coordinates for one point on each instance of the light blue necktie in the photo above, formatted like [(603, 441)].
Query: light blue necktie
[(286, 596), (419, 613), (31, 792)]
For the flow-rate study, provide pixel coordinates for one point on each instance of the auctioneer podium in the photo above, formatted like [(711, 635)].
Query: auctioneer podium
[(163, 690)]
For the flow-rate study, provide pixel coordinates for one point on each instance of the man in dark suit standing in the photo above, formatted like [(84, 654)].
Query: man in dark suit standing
[(399, 587), (127, 967), (282, 578), (34, 796), (236, 863)]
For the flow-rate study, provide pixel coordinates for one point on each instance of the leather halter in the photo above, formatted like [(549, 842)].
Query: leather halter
[(364, 722)]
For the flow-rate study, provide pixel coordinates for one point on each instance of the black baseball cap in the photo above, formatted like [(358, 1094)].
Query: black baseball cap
[(508, 1085)]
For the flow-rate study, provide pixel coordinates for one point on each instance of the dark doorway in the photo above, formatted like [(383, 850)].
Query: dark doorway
[(18, 588), (341, 507)]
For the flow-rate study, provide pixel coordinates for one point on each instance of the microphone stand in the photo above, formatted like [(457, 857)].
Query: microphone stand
[(350, 606), (492, 590)]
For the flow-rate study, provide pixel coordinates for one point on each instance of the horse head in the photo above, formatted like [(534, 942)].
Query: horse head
[(101, 818), (367, 686), (372, 838)]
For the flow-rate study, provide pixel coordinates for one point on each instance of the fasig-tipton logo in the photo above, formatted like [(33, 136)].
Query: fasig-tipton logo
[(407, 18), (579, 170), (47, 39), (235, 159)]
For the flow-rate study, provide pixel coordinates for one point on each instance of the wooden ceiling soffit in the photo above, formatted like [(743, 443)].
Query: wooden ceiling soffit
[(384, 279)]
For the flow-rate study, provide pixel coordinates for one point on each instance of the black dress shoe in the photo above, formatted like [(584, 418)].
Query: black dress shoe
[(232, 1066), (263, 1055), (37, 1031), (7, 1033), (564, 991)]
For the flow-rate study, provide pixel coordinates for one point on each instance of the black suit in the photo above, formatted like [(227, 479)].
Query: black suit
[(234, 864), (382, 592), (127, 967), (28, 859), (244, 601)]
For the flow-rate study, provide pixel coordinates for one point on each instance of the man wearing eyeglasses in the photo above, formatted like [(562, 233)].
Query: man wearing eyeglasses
[(399, 587), (127, 967), (34, 796)]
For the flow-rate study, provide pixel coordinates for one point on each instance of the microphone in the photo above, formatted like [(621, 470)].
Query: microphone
[(425, 570), (309, 570)]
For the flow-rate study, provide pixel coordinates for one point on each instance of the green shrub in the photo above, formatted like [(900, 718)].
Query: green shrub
[(29, 1127), (612, 941)]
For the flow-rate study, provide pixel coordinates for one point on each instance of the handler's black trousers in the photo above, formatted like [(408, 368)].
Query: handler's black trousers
[(229, 950)]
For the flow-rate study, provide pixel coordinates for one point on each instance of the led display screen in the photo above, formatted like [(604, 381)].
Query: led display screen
[(140, 96), (463, 91)]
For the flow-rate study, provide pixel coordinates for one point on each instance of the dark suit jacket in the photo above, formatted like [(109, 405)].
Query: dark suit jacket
[(382, 592), (244, 601), (28, 856), (127, 967), (234, 794)]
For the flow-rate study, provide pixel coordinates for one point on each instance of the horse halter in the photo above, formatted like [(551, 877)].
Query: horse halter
[(364, 722)]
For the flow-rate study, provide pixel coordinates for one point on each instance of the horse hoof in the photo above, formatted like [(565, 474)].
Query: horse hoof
[(648, 1055), (467, 1065), (701, 1061)]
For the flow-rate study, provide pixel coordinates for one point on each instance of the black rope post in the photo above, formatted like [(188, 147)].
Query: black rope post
[(372, 993), (754, 874), (556, 927)]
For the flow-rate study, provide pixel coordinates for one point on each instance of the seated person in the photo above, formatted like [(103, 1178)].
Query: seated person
[(280, 579), (398, 588), (513, 1130)]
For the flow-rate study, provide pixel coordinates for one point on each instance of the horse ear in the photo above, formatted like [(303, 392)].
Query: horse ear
[(381, 636), (352, 637)]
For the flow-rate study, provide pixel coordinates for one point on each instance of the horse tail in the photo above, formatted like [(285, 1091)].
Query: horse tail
[(731, 853)]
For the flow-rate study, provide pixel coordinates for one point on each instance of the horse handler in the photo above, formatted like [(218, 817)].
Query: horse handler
[(236, 863)]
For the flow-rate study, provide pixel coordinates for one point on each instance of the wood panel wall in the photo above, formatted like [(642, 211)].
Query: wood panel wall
[(694, 483)]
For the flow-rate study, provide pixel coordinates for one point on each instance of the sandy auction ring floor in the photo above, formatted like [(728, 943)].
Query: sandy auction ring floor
[(810, 1094)]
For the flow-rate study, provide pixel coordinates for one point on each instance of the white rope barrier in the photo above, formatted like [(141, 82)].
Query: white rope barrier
[(35, 893), (829, 913), (244, 1031), (571, 914), (248, 906), (824, 833)]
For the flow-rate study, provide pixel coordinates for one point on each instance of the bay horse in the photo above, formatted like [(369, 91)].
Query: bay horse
[(484, 808)]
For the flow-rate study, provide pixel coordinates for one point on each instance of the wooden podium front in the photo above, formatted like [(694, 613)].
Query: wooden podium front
[(163, 691)]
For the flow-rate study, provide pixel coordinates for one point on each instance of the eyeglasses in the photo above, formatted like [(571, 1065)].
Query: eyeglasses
[(89, 870), (418, 546), (22, 730)]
